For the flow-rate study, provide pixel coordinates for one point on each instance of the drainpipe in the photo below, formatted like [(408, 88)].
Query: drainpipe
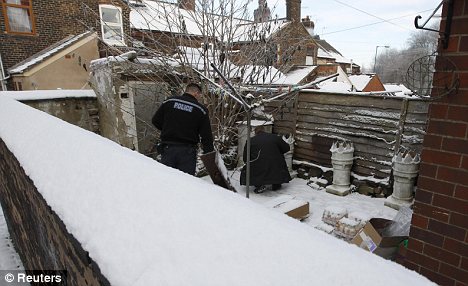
[(2, 75), (342, 160)]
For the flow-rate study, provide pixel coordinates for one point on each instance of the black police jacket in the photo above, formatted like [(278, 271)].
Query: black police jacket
[(183, 120)]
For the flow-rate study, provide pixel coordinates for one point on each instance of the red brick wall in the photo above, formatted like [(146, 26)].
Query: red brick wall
[(54, 21), (438, 244)]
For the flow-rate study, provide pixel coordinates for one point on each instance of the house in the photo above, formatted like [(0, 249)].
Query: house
[(281, 43), (366, 83), (327, 54), (37, 27), (290, 39), (63, 65)]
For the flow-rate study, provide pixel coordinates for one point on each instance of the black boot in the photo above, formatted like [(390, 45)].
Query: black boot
[(276, 187)]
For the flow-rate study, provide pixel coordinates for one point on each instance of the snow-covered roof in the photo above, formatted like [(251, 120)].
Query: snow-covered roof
[(169, 17), (46, 53), (328, 51), (335, 86), (163, 16), (324, 54), (294, 77), (360, 81), (153, 225), (48, 94), (399, 90)]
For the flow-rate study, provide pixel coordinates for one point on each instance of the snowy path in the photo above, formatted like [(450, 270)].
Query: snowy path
[(319, 200), (9, 259)]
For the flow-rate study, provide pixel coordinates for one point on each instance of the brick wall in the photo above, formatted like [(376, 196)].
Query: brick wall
[(293, 40), (39, 236), (438, 244), (54, 21)]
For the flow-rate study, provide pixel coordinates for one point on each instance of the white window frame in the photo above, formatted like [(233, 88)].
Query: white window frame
[(113, 25)]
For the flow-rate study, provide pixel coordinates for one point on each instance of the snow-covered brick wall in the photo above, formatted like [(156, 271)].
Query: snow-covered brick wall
[(146, 224), (78, 107), (39, 235)]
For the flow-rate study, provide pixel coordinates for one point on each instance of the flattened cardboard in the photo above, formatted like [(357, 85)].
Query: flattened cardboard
[(290, 206), (300, 212)]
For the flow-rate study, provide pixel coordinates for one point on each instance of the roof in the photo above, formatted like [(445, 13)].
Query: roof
[(361, 81), (328, 51), (295, 76), (169, 17), (47, 53)]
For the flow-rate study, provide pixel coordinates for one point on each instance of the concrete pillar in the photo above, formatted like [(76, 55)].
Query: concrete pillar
[(342, 160), (405, 171)]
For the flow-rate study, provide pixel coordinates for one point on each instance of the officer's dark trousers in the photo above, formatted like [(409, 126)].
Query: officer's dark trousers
[(182, 157)]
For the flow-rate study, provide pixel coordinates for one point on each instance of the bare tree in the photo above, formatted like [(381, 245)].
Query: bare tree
[(185, 44), (392, 65)]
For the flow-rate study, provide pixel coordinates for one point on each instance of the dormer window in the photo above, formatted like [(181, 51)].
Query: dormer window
[(111, 25), (18, 16)]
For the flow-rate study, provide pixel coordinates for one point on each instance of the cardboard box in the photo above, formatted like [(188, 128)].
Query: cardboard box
[(290, 206), (370, 238)]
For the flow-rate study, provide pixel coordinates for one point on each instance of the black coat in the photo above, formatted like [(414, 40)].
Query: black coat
[(183, 120), (267, 165)]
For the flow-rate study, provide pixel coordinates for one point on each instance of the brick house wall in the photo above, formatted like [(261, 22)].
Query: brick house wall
[(438, 243), (54, 20), (293, 41)]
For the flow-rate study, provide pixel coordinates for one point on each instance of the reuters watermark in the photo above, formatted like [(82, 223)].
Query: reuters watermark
[(33, 277)]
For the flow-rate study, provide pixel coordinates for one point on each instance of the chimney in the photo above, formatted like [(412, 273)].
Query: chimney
[(262, 13), (293, 10), (309, 25), (186, 4)]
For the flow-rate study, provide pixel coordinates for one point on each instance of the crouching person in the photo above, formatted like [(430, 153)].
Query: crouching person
[(267, 164)]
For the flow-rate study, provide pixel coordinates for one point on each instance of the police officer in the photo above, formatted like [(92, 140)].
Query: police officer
[(183, 121)]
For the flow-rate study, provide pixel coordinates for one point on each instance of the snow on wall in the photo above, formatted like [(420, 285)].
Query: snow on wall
[(147, 224), (48, 94)]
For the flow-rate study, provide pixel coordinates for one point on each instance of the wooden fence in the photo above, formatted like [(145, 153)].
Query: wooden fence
[(377, 126)]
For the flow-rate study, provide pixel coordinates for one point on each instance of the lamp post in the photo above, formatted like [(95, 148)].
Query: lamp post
[(375, 57)]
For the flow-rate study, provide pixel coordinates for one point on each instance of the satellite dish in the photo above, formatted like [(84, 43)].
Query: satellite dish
[(432, 75)]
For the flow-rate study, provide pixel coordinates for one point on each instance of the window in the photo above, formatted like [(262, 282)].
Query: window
[(18, 16), (111, 25)]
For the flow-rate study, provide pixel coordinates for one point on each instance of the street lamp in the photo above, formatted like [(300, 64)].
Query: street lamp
[(375, 57)]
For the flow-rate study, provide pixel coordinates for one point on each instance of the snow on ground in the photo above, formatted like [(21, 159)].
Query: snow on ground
[(147, 224), (318, 200), (9, 259)]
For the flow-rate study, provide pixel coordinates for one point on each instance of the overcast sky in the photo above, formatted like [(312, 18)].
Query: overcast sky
[(331, 17)]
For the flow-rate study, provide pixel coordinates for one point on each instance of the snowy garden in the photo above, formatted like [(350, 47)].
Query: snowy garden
[(146, 224)]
